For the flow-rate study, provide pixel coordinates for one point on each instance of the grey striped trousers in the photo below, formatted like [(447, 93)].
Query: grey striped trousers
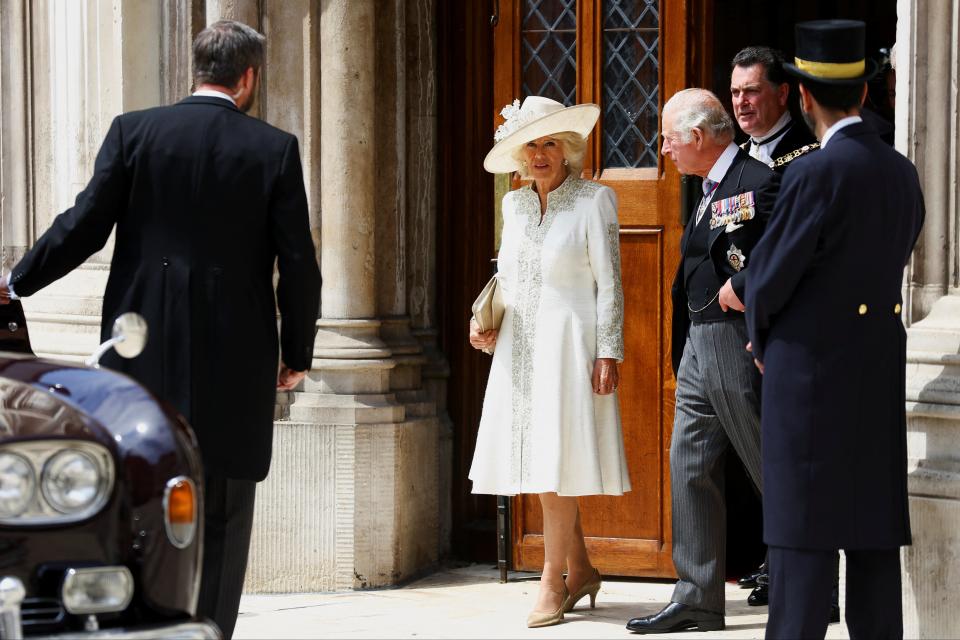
[(718, 403)]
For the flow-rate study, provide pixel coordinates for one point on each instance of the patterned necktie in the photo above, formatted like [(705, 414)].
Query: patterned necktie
[(708, 187)]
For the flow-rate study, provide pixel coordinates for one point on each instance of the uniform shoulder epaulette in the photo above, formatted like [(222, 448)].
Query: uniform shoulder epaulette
[(793, 155)]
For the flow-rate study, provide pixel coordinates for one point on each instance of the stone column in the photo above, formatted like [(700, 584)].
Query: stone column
[(181, 21), (15, 179), (926, 97), (245, 11), (95, 63), (351, 500), (928, 127)]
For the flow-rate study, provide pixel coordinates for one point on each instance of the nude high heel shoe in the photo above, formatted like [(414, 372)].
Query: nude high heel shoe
[(541, 619), (590, 587)]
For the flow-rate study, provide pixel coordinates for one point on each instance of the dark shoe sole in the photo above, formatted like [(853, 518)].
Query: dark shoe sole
[(714, 625)]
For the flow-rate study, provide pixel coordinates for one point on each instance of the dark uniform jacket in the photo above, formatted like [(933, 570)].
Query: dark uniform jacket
[(204, 200), (730, 245), (823, 312)]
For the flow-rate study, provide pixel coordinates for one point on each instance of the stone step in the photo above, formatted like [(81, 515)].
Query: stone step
[(326, 408)]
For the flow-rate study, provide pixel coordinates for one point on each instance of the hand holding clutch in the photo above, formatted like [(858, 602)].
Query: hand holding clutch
[(485, 340), (488, 311)]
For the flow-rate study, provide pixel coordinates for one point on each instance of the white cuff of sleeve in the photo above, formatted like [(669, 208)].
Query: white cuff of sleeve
[(13, 295)]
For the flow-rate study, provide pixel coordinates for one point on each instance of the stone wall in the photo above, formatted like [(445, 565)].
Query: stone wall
[(928, 132)]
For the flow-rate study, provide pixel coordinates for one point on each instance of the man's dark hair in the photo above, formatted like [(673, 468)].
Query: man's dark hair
[(835, 96), (771, 59), (224, 51)]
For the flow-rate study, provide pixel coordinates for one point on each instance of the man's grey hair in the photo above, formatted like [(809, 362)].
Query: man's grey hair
[(224, 51), (700, 109)]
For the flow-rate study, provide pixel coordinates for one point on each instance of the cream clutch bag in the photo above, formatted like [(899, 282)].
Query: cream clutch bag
[(488, 307)]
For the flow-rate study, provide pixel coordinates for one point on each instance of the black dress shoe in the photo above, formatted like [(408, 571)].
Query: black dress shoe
[(677, 616), (760, 596), (749, 581)]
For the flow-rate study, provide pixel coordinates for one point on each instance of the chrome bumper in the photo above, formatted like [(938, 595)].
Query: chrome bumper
[(181, 631), (12, 593)]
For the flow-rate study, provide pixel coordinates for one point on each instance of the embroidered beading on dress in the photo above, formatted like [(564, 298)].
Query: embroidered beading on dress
[(610, 333), (530, 282)]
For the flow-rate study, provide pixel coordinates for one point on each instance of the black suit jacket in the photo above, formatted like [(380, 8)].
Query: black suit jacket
[(205, 200), (745, 175), (823, 312)]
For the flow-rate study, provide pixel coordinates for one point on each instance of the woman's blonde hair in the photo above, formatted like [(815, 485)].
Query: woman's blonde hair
[(574, 147)]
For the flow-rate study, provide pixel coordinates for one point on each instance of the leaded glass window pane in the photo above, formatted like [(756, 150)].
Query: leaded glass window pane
[(631, 35), (549, 49)]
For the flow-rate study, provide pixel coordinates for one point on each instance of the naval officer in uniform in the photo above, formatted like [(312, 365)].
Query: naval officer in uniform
[(823, 310)]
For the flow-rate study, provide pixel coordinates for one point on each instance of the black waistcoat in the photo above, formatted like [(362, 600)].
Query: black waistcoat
[(698, 273)]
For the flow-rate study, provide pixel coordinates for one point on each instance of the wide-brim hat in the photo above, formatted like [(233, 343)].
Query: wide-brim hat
[(831, 52), (535, 118)]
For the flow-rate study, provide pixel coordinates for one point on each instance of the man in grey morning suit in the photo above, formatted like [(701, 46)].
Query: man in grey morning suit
[(718, 388)]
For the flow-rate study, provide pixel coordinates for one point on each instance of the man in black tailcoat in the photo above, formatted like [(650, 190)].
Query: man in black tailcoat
[(205, 200), (823, 310), (760, 97)]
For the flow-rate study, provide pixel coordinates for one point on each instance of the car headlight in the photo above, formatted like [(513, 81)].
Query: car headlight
[(71, 481), (97, 590), (17, 484)]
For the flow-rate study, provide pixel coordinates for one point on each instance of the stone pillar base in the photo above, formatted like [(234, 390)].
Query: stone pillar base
[(346, 507), (353, 496), (930, 568)]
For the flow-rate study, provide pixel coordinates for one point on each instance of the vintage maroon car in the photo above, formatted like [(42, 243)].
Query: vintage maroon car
[(100, 499)]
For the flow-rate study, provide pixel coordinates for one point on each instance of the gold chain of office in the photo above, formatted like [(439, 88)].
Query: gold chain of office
[(793, 155)]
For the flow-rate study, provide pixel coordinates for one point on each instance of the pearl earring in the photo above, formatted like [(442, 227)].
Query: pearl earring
[(565, 162)]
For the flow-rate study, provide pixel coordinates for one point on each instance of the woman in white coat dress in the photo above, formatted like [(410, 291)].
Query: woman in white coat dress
[(551, 422)]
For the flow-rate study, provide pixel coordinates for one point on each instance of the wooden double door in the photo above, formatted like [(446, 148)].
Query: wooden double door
[(628, 56)]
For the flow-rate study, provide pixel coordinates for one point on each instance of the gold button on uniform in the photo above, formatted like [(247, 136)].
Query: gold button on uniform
[(896, 308), (862, 310)]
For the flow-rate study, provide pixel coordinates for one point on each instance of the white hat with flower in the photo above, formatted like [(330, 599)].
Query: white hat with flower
[(535, 118)]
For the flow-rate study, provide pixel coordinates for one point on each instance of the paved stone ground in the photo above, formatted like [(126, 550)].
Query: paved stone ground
[(469, 602)]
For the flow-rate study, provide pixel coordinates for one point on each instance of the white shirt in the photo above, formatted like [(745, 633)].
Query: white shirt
[(722, 165), (836, 126), (716, 174), (210, 93), (761, 147)]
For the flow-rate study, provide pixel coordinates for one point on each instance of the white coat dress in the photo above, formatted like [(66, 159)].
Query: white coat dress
[(543, 429)]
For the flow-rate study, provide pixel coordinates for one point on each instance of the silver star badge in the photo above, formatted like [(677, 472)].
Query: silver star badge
[(736, 258)]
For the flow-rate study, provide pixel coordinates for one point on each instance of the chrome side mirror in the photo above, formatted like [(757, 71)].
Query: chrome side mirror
[(130, 332), (129, 337)]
